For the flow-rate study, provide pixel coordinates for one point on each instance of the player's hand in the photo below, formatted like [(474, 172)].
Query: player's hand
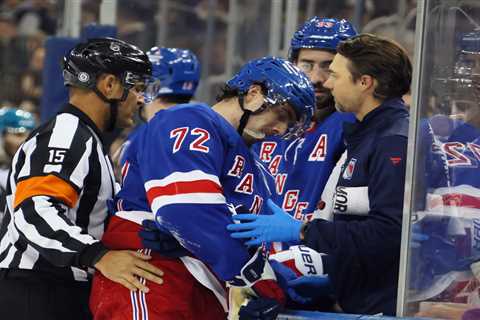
[(309, 288), (260, 309), (284, 275), (279, 226), (160, 241), (125, 267)]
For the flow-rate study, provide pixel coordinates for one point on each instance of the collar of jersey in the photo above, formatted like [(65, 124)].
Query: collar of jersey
[(70, 108)]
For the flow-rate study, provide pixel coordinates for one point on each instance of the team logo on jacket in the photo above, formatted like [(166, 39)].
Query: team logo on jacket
[(348, 172)]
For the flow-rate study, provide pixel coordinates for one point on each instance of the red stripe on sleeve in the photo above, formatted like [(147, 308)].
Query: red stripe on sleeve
[(199, 186)]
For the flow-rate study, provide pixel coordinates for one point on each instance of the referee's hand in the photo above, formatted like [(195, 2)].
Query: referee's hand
[(126, 267)]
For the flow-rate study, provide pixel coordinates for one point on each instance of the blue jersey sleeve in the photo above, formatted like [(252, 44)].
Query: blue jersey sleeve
[(182, 159)]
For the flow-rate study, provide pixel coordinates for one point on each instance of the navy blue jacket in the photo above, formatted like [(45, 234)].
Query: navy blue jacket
[(363, 241)]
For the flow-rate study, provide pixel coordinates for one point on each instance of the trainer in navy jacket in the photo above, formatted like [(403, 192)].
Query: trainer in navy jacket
[(363, 242)]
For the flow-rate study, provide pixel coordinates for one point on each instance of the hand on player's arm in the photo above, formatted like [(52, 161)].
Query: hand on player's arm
[(125, 267), (279, 226)]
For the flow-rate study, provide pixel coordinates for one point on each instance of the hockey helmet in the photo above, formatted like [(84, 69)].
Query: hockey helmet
[(282, 82), (174, 72), (320, 33), (13, 120)]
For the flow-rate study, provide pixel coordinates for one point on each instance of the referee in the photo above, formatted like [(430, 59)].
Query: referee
[(58, 185)]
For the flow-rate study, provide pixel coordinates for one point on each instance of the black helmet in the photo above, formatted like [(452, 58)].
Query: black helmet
[(86, 61)]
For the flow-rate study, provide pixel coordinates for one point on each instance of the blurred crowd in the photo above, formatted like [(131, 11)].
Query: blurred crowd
[(26, 24)]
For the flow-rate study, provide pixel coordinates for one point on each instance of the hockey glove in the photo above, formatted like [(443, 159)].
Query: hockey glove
[(279, 226), (306, 265), (160, 241), (260, 309), (310, 288), (263, 297), (284, 275)]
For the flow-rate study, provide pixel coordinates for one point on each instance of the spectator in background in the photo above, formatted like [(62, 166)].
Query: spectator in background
[(15, 126), (34, 16), (31, 80), (8, 60)]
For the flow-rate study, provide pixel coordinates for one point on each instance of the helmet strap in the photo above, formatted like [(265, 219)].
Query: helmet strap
[(245, 116), (113, 104), (141, 113), (247, 113)]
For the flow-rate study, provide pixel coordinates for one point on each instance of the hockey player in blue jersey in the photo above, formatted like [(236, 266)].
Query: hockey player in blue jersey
[(176, 75), (175, 78), (446, 231), (360, 249), (302, 166), (197, 171)]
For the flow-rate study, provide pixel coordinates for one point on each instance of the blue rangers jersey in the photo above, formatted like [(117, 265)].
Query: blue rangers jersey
[(363, 242), (454, 148), (190, 167), (451, 212), (301, 167)]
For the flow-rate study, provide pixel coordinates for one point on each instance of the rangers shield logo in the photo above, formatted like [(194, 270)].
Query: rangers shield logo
[(348, 172)]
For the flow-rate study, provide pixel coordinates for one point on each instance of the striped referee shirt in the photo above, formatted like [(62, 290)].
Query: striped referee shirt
[(57, 189)]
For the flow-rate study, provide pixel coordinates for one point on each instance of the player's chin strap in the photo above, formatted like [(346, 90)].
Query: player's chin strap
[(247, 113), (113, 103), (141, 111)]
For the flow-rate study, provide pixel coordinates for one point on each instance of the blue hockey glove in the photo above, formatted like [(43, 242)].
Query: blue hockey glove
[(160, 241), (310, 288), (260, 309), (279, 226), (284, 274)]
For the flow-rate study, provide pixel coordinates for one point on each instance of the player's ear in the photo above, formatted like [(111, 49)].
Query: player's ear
[(368, 82), (254, 97), (107, 84)]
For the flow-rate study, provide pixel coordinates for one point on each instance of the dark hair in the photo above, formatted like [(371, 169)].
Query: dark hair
[(225, 92), (380, 58), (294, 54), (175, 98)]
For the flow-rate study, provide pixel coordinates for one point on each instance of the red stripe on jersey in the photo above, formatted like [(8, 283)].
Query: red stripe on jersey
[(125, 167), (461, 200), (198, 186)]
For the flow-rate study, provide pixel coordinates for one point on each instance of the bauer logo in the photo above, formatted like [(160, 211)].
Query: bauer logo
[(348, 172)]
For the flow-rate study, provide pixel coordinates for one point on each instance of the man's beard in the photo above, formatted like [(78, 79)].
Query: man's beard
[(324, 104)]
